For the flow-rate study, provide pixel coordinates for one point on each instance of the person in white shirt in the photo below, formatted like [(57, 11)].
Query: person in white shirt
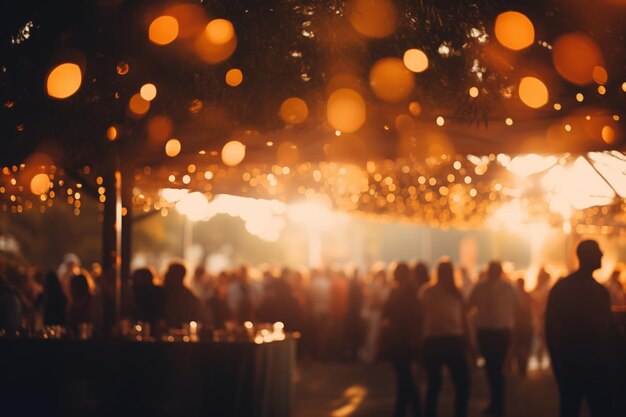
[(445, 340), (495, 301)]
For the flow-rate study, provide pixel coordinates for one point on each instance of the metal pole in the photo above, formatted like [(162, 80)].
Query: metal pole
[(118, 246)]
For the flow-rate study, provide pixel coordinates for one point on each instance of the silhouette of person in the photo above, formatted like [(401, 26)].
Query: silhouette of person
[(578, 335), (401, 315), (523, 328), (496, 302), (179, 305), (445, 340)]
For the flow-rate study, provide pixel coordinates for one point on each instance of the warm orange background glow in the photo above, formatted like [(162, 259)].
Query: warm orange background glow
[(575, 57)]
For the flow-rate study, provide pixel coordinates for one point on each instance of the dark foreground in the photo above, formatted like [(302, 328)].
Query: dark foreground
[(361, 390)]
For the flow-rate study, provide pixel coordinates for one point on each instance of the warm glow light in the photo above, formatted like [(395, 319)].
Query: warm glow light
[(580, 97), (391, 81), (172, 195), (219, 31), (404, 123), (345, 110), (315, 214), (624, 86), (233, 153), (163, 30), (557, 106), (287, 154), (122, 68), (601, 90), (64, 80), (533, 92), (234, 77), (566, 183), (599, 75), (415, 60), (509, 121), (111, 133), (373, 18), (514, 30), (473, 92), (159, 128), (194, 205), (191, 19), (576, 56), (217, 42), (608, 134), (526, 165), (415, 108), (262, 218), (294, 110), (138, 106), (172, 147), (440, 121), (40, 184), (148, 92)]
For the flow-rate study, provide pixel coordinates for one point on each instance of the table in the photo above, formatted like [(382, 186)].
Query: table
[(108, 377)]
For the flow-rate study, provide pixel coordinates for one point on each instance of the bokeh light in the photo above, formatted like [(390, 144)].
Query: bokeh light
[(172, 147), (112, 133), (163, 30), (234, 77), (575, 57), (122, 68), (533, 92), (415, 108), (514, 30), (415, 60), (159, 128), (217, 42), (599, 75), (233, 153), (138, 106), (391, 80), (473, 92), (404, 123), (287, 154), (373, 18), (219, 31), (191, 19), (148, 92), (40, 184), (294, 110), (346, 110), (64, 80), (608, 135)]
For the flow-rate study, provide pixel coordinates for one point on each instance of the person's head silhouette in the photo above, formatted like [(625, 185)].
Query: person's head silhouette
[(175, 274), (589, 255), (494, 271)]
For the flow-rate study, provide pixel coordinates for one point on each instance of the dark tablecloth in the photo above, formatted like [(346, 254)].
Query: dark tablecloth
[(86, 378)]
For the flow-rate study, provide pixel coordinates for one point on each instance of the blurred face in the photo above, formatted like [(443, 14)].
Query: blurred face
[(597, 258)]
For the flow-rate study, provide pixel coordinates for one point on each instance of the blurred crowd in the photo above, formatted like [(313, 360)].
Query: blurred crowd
[(338, 312)]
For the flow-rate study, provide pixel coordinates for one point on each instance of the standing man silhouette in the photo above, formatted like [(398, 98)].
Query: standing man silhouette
[(495, 300), (578, 333)]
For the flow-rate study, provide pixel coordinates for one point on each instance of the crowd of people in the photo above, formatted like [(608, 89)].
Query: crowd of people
[(396, 313)]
